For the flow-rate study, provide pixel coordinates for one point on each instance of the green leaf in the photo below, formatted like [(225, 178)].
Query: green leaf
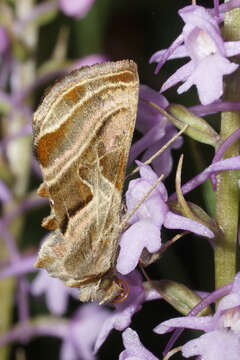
[(178, 295), (198, 128)]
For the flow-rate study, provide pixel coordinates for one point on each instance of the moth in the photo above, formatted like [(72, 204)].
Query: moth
[(82, 133)]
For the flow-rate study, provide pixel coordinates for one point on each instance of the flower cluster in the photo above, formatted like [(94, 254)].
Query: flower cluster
[(200, 40), (222, 330)]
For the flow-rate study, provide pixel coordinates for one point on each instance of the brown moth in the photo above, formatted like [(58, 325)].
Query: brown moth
[(82, 133)]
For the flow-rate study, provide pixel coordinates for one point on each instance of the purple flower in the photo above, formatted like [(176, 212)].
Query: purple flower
[(76, 8), (19, 267), (56, 292), (82, 333), (5, 194), (208, 52), (157, 131), (120, 319), (147, 221), (222, 330), (134, 349), (232, 163), (4, 40), (78, 334)]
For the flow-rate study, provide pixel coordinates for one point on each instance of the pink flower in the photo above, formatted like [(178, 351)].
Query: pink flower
[(76, 8), (56, 292), (77, 334), (134, 349), (157, 131), (148, 219), (222, 330), (5, 194), (4, 40), (82, 333), (208, 52)]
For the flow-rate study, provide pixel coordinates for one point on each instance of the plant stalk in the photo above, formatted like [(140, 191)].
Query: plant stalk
[(227, 194)]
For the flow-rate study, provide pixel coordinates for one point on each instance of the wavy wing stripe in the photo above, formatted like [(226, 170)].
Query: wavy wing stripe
[(85, 75), (91, 206), (78, 115), (78, 95), (54, 173), (80, 220)]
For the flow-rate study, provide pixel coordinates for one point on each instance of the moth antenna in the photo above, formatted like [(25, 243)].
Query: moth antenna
[(124, 292), (130, 214), (160, 151)]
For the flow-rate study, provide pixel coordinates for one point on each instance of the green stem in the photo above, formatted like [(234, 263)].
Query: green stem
[(227, 195)]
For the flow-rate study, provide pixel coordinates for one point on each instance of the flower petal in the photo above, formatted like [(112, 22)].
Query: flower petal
[(180, 75), (85, 328), (179, 52), (199, 17), (189, 322), (5, 194), (38, 285), (208, 77), (149, 175), (21, 267), (56, 293), (4, 40), (67, 351), (220, 344), (232, 163), (140, 235), (107, 327), (134, 347), (163, 163), (236, 283), (176, 43), (173, 221), (76, 8), (147, 115), (57, 297), (153, 208), (142, 144), (232, 48)]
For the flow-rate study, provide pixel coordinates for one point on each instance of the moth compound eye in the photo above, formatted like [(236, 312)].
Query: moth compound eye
[(124, 292)]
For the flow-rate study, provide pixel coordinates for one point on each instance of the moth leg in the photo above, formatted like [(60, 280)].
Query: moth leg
[(51, 254), (49, 222), (43, 190)]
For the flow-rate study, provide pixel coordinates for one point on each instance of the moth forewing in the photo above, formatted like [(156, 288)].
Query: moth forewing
[(82, 135)]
